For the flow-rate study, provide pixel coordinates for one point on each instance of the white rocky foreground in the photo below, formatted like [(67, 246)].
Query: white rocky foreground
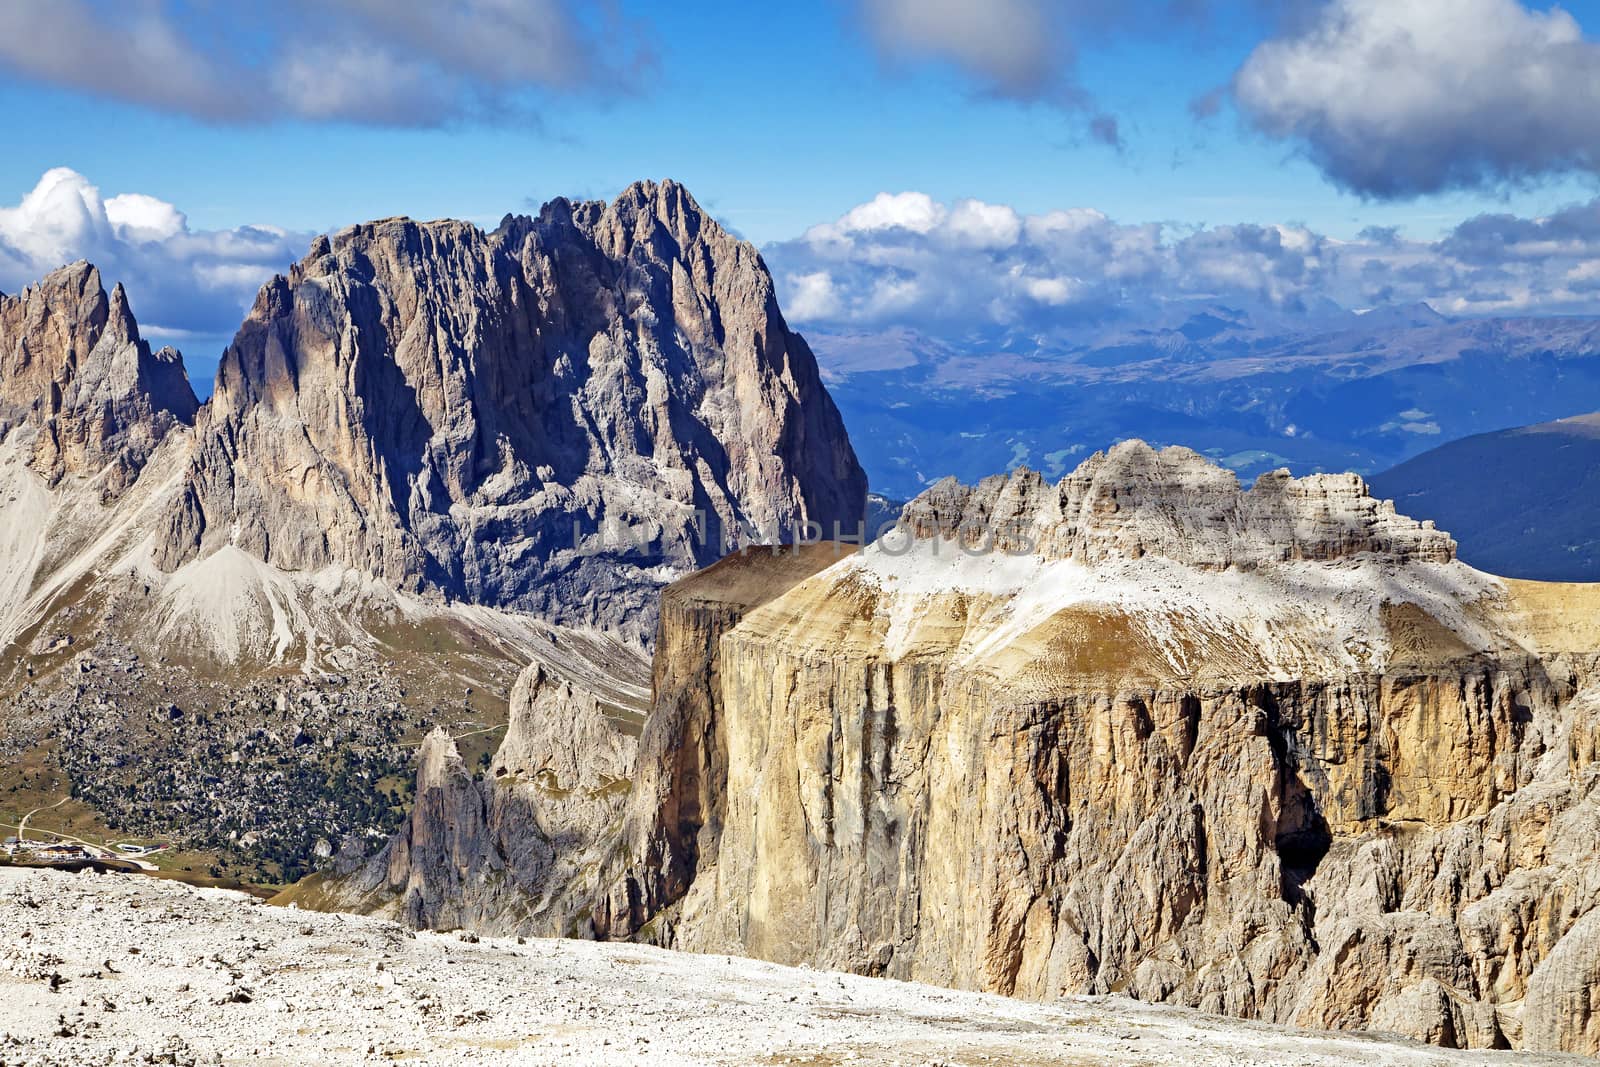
[(103, 969)]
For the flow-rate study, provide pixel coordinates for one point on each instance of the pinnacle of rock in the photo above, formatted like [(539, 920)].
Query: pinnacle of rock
[(542, 417), (76, 375)]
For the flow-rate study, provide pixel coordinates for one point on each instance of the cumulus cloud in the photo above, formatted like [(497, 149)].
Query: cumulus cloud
[(180, 280), (908, 260), (812, 296), (360, 61), (1396, 98)]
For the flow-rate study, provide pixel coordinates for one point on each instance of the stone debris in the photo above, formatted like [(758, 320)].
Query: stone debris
[(358, 990)]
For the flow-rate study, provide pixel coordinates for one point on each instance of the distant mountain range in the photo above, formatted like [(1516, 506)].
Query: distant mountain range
[(1326, 389), (1523, 502)]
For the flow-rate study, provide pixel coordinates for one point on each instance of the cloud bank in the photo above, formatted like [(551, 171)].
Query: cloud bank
[(1397, 98), (361, 61), (1388, 98), (905, 259), (179, 280), (958, 269)]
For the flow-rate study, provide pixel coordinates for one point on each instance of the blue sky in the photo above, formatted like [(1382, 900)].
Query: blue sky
[(782, 118), (776, 116)]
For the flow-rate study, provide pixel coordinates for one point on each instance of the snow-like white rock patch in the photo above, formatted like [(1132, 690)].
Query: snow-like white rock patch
[(1298, 615)]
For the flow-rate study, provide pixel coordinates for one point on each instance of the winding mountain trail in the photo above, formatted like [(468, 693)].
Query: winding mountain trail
[(22, 825)]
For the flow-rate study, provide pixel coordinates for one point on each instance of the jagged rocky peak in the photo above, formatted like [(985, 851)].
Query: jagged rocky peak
[(553, 416), (565, 735), (76, 376), (1134, 500), (439, 760)]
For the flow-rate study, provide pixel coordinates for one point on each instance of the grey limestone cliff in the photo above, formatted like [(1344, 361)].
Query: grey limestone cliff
[(553, 417)]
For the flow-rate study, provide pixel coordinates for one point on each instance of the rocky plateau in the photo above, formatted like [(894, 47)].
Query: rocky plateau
[(1270, 752)]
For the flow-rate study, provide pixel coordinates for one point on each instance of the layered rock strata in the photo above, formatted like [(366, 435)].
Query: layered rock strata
[(1271, 753)]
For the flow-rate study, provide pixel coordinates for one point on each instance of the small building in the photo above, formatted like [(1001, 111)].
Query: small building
[(63, 853)]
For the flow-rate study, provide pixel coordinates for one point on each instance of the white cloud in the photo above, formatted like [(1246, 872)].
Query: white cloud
[(61, 214), (916, 212), (812, 296), (1065, 223), (1056, 291), (893, 296), (196, 281), (975, 224), (907, 259), (1396, 98), (365, 61), (968, 223), (140, 218)]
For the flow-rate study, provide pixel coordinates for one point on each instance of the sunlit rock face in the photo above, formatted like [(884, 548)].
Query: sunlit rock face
[(78, 380), (556, 416), (516, 847), (1268, 752)]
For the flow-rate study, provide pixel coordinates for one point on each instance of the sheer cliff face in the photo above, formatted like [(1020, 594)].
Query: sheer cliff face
[(76, 377), (544, 417), (1269, 753)]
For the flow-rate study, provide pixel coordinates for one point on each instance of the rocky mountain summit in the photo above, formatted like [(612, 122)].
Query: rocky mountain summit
[(76, 376), (1272, 753), (1134, 501), (548, 417)]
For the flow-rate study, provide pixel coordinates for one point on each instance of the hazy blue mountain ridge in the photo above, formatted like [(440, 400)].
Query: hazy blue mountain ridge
[(1524, 502), (1320, 390)]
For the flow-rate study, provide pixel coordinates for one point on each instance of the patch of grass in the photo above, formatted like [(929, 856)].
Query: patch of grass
[(617, 787)]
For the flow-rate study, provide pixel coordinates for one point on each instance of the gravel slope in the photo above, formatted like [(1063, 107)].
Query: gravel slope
[(105, 969)]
